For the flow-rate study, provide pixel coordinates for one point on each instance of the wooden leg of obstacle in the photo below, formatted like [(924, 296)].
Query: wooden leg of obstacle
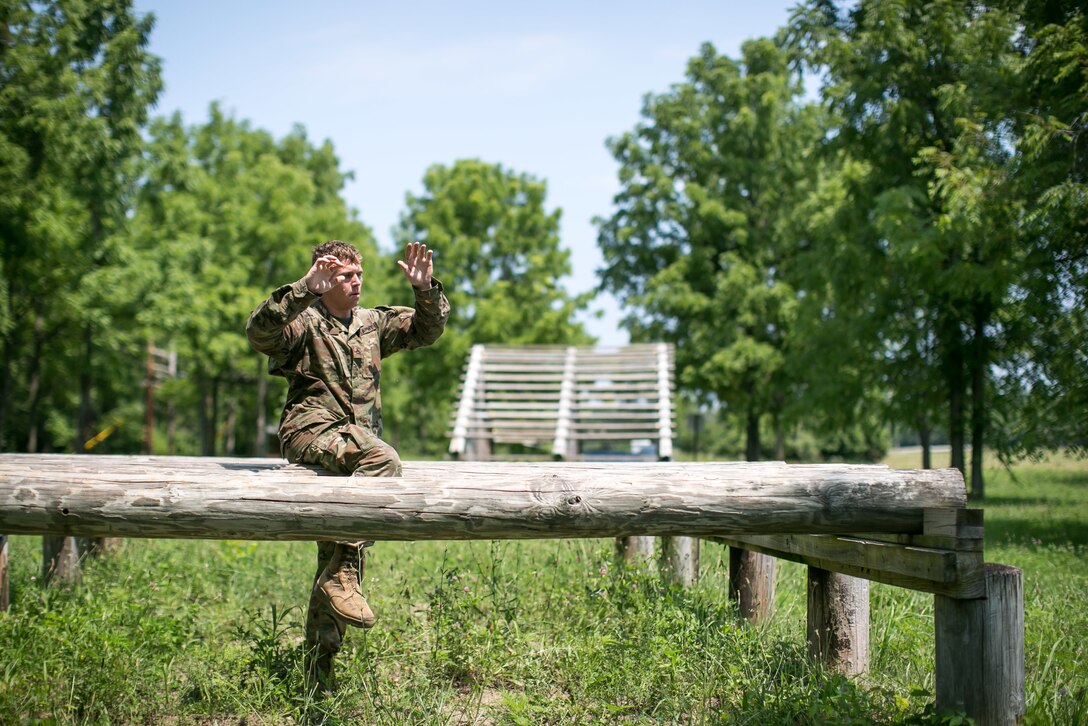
[(5, 593), (60, 560), (635, 550), (98, 546), (751, 584), (980, 650), (838, 621), (680, 560)]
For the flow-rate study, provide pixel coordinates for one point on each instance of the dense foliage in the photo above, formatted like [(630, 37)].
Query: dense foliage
[(909, 248)]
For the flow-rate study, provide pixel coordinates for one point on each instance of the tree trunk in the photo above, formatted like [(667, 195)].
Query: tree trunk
[(924, 440), (202, 414), (752, 447), (85, 418), (208, 390), (954, 378), (230, 425), (779, 438), (171, 427), (5, 387), (980, 355), (260, 439), (34, 381)]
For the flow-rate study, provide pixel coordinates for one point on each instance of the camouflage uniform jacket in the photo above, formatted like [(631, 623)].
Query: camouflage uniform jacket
[(333, 371)]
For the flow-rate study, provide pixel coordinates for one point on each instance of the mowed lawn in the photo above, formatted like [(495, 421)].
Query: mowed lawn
[(515, 633)]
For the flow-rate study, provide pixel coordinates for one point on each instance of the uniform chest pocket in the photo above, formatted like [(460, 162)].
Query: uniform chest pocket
[(365, 361)]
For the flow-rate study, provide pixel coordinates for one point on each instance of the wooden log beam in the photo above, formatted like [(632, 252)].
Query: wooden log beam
[(267, 499)]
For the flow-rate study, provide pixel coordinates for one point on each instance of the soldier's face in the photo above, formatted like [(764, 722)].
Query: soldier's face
[(345, 296)]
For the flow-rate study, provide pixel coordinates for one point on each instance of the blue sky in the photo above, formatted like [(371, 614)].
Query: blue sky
[(397, 87)]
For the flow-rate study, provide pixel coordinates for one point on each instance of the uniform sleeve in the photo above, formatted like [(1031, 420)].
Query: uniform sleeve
[(402, 328), (273, 328)]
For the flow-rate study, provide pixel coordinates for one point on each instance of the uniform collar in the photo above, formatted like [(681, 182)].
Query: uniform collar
[(353, 325)]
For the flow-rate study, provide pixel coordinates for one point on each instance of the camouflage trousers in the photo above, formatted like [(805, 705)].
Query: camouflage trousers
[(347, 450)]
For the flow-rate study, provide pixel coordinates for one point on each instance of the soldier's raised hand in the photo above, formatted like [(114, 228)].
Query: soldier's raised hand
[(417, 265), (322, 277)]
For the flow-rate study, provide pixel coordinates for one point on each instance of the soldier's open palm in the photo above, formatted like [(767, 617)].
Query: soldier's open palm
[(322, 277), (417, 265)]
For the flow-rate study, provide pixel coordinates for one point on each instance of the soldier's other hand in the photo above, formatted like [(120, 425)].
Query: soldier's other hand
[(417, 265), (322, 276)]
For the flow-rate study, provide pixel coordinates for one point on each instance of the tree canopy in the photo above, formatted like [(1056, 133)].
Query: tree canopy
[(905, 250)]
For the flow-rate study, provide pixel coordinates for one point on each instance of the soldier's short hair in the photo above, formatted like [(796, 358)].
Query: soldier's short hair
[(343, 251)]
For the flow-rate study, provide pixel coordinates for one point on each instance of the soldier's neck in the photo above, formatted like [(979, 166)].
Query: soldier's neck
[(341, 314)]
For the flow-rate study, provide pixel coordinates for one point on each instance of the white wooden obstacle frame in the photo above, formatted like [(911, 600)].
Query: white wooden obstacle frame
[(906, 528), (556, 399)]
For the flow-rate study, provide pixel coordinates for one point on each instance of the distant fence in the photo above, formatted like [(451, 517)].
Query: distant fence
[(905, 528)]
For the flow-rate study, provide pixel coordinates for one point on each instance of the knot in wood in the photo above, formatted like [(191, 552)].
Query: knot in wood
[(558, 496)]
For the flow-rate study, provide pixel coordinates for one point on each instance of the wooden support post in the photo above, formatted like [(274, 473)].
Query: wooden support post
[(98, 546), (459, 441), (980, 650), (680, 560), (564, 421), (60, 560), (635, 550), (838, 621), (5, 593), (664, 402), (751, 584)]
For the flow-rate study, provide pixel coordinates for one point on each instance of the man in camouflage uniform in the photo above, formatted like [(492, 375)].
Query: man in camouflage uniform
[(330, 350)]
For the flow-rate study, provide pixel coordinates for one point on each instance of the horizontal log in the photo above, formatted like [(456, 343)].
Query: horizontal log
[(268, 499)]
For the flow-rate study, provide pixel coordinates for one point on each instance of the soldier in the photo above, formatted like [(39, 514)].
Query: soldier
[(330, 350)]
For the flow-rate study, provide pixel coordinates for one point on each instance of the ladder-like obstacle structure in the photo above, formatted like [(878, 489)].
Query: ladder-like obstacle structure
[(906, 528), (557, 399)]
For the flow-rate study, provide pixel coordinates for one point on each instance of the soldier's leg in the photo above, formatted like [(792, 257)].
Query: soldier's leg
[(324, 633), (349, 450)]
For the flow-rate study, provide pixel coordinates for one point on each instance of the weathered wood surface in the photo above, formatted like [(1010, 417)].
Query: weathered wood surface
[(61, 562), (680, 560), (952, 573), (838, 621), (268, 499), (752, 583), (980, 650)]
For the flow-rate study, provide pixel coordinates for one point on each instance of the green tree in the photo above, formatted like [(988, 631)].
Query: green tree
[(1048, 377), (699, 245), (76, 83), (920, 93), (498, 255), (226, 214)]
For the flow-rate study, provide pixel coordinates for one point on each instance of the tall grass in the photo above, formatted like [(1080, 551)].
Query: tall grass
[(512, 633)]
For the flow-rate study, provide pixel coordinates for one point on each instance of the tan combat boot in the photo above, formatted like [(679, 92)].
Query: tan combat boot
[(339, 587)]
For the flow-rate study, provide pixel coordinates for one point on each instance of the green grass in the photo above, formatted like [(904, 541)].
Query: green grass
[(513, 633)]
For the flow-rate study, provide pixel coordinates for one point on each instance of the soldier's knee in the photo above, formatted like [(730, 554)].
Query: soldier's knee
[(380, 460)]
